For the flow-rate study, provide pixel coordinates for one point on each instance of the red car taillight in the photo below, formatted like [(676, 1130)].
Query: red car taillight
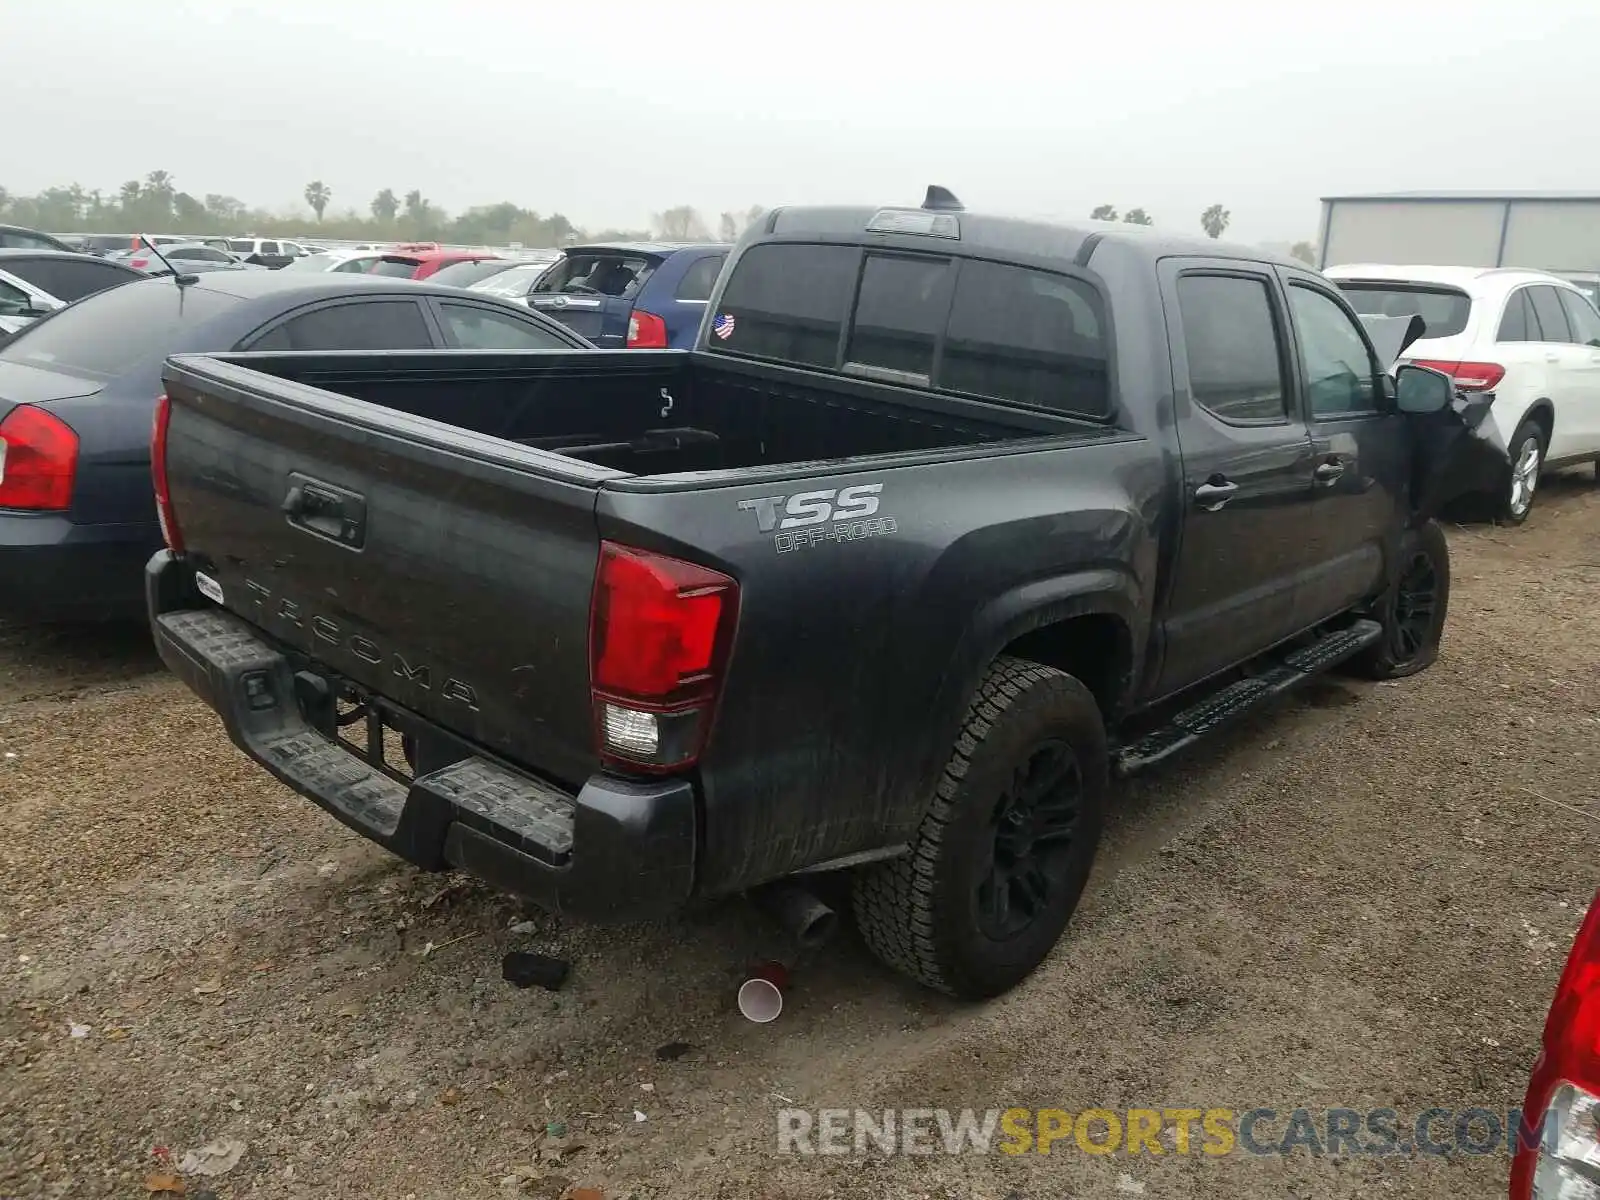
[(170, 532), (38, 460), (659, 630), (1469, 376), (1559, 1153), (646, 331)]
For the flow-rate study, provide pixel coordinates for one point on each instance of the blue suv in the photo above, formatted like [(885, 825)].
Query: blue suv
[(641, 295)]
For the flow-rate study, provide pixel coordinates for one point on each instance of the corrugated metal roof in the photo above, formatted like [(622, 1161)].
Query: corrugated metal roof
[(1500, 197)]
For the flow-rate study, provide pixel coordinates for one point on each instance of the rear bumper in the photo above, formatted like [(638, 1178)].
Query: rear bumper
[(618, 849), (51, 569)]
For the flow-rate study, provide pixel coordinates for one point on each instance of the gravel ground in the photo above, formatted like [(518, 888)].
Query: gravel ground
[(1360, 899)]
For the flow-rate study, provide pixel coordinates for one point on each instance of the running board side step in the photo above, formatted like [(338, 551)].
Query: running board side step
[(1217, 709)]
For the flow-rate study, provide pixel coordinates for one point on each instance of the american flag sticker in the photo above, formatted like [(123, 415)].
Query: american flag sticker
[(723, 326)]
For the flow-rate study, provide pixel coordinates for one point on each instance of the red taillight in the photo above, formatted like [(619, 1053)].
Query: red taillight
[(646, 331), (170, 532), (1469, 376), (141, 263), (658, 635), (38, 460), (1572, 1030), (1559, 1140)]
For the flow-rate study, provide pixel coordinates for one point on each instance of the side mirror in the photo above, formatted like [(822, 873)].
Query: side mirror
[(1422, 389), (38, 305)]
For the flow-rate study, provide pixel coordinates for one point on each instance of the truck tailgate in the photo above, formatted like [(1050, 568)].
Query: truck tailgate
[(444, 570)]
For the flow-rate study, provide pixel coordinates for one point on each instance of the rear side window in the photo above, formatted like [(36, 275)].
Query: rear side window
[(199, 254), (700, 278), (69, 279), (1029, 337), (269, 247), (477, 328), (363, 325), (1443, 310), (21, 239), (1582, 317), (242, 246), (114, 330), (13, 302), (900, 309), (787, 302), (1552, 318), (1234, 347), (1518, 324)]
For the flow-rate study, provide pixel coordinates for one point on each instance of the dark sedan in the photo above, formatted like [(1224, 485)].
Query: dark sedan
[(78, 391)]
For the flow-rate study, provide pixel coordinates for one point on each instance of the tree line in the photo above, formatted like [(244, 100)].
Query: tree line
[(155, 204), (1213, 220)]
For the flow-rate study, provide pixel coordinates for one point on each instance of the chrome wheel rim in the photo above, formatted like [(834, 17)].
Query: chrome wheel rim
[(1525, 477)]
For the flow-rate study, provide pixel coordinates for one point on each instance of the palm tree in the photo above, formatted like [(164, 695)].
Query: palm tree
[(385, 206), (1215, 220), (1104, 212), (1137, 216), (128, 194), (317, 196), (416, 206)]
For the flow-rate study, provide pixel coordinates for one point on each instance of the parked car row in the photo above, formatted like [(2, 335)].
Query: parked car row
[(1529, 339)]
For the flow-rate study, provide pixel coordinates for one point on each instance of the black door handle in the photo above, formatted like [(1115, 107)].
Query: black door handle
[(1215, 495), (1329, 471)]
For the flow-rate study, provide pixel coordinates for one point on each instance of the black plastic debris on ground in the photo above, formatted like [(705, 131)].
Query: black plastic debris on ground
[(522, 968)]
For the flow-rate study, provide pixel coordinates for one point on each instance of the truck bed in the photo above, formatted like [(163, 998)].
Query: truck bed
[(658, 413)]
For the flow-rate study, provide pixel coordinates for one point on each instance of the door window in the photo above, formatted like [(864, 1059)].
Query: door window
[(1340, 374), (1582, 317), (483, 329), (361, 325), (1552, 318), (1234, 347), (269, 247)]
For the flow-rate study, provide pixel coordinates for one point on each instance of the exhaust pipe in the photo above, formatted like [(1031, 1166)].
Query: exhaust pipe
[(805, 918)]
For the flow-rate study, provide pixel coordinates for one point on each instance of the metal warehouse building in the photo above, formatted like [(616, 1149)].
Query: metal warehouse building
[(1549, 231)]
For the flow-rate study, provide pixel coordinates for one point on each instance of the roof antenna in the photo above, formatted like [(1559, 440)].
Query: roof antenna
[(177, 277), (941, 200)]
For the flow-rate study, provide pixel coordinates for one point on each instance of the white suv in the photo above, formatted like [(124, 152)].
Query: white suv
[(1530, 338)]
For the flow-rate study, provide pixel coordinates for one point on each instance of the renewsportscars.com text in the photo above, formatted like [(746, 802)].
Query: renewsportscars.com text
[(1215, 1132)]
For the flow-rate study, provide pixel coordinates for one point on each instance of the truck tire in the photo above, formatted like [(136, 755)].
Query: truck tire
[(1004, 850), (1527, 458), (1413, 612)]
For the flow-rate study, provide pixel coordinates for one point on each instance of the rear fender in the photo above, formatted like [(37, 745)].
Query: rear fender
[(1023, 610)]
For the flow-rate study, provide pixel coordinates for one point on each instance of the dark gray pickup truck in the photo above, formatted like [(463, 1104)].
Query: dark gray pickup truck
[(947, 520)]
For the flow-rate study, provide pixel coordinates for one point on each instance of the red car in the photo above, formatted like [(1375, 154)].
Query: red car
[(1562, 1108), (418, 260)]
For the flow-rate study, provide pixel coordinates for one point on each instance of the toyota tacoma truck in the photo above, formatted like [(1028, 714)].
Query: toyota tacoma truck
[(946, 521)]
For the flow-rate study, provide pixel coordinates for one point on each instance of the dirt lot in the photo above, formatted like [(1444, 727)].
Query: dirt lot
[(1361, 899)]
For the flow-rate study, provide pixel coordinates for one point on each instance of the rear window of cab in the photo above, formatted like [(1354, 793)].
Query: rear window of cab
[(977, 328)]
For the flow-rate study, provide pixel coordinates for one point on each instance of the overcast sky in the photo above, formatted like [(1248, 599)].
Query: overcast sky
[(609, 111)]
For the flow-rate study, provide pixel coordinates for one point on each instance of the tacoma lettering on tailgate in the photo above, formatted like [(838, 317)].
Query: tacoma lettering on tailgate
[(280, 610)]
